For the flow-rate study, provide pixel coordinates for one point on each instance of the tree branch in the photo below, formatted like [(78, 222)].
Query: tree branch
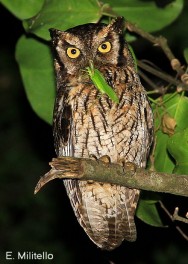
[(163, 44), (176, 216), (162, 75), (158, 41), (129, 175), (173, 218)]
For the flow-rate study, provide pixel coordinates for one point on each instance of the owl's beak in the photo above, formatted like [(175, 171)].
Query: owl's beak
[(91, 65)]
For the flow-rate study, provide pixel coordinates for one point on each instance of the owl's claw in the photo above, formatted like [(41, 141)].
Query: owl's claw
[(93, 157), (105, 159), (129, 166)]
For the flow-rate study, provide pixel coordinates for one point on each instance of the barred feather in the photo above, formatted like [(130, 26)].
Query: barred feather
[(87, 123)]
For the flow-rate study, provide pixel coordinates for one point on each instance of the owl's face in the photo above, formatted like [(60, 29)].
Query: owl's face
[(102, 44)]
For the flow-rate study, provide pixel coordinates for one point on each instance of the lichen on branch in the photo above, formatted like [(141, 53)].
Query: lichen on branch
[(128, 175)]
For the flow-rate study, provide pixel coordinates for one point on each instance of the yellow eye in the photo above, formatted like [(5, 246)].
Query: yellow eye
[(105, 47), (73, 53)]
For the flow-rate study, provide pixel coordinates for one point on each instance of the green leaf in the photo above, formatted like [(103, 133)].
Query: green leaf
[(23, 9), (37, 72), (178, 148), (163, 162), (186, 54), (147, 212), (146, 15), (150, 197), (63, 14), (177, 107)]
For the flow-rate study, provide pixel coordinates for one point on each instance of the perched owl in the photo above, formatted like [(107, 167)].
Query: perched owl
[(88, 123)]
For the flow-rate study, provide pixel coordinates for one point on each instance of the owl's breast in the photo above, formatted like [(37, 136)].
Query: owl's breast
[(93, 133), (102, 127)]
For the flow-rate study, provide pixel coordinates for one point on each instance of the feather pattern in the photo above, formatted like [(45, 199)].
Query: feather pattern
[(87, 123)]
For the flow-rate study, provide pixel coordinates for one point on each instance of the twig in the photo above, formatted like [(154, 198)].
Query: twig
[(129, 175), (158, 41), (171, 217), (182, 233), (155, 88), (181, 85), (175, 63), (165, 209), (176, 216), (162, 75)]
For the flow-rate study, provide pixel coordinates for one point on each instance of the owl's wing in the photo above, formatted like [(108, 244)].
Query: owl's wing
[(62, 125), (150, 127)]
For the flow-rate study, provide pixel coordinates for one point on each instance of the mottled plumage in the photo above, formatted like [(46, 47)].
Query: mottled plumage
[(87, 123)]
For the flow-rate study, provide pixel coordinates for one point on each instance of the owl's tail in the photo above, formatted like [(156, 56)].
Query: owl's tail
[(105, 211)]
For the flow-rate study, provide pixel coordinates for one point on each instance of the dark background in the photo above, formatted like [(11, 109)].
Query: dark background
[(46, 222)]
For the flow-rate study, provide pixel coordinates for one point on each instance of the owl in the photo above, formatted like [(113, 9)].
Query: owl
[(89, 124)]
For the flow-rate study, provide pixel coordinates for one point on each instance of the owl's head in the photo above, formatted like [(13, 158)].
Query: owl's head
[(100, 43)]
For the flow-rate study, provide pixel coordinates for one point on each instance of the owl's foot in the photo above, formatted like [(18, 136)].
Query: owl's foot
[(127, 166), (105, 159), (93, 157)]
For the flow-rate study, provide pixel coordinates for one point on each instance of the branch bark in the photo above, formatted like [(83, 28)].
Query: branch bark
[(163, 44), (129, 175), (159, 41)]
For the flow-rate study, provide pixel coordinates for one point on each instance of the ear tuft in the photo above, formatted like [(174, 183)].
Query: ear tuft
[(118, 24), (55, 33)]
